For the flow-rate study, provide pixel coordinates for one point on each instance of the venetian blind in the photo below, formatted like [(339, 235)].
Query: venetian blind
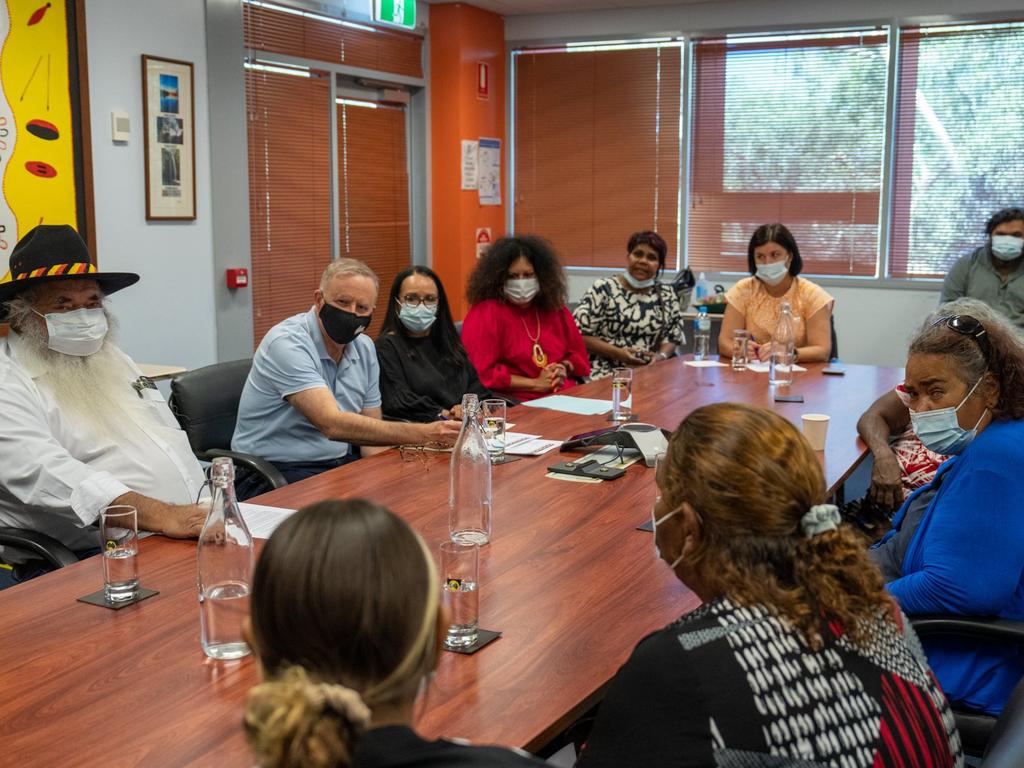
[(597, 148), (958, 159), (289, 191), (373, 193), (279, 28), (788, 128)]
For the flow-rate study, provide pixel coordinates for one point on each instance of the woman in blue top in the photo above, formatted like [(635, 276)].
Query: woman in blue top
[(957, 544)]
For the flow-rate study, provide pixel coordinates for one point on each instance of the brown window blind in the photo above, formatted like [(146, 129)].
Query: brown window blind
[(279, 28), (788, 128), (958, 156), (597, 148), (373, 193), (289, 192)]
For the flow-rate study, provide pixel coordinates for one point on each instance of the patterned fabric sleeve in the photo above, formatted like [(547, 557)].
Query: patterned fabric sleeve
[(675, 326), (588, 313)]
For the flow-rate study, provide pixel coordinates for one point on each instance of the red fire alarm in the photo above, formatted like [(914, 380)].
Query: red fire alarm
[(238, 277)]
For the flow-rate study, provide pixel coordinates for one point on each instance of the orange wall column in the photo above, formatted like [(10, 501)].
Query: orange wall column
[(461, 36)]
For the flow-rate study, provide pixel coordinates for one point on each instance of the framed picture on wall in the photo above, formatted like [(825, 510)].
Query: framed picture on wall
[(168, 116)]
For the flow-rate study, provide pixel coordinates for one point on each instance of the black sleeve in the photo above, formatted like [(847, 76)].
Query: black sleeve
[(652, 715), (398, 399)]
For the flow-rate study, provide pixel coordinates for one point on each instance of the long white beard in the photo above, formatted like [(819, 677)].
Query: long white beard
[(93, 392)]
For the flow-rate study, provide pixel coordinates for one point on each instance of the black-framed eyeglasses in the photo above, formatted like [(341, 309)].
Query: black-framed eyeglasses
[(414, 300), (966, 325)]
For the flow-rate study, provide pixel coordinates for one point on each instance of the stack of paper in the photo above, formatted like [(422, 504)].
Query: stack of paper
[(262, 521), (520, 444)]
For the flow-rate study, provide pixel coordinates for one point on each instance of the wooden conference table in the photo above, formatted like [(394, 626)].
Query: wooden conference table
[(566, 578)]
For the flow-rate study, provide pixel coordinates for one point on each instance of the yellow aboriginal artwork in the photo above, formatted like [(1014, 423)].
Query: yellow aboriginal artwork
[(39, 119)]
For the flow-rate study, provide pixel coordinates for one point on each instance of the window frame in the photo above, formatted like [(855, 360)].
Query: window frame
[(894, 25)]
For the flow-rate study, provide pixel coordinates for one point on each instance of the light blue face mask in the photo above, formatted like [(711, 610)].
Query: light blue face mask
[(1007, 247), (638, 284), (417, 319), (773, 273), (940, 430)]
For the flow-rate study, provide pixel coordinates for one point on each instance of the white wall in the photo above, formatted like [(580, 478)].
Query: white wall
[(873, 324), (168, 317)]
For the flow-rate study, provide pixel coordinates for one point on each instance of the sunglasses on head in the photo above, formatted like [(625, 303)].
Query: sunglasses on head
[(966, 325)]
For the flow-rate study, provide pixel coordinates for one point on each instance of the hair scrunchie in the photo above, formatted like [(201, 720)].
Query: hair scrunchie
[(820, 518), (344, 701)]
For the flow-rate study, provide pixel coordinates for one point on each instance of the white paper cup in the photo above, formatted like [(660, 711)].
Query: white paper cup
[(815, 429)]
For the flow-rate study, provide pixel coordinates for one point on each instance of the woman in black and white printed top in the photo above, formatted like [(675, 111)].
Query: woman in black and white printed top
[(631, 319)]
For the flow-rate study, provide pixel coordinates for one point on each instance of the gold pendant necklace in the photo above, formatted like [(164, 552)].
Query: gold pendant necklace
[(540, 357)]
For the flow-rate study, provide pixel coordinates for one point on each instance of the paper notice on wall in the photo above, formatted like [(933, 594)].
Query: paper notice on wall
[(489, 171), (470, 152)]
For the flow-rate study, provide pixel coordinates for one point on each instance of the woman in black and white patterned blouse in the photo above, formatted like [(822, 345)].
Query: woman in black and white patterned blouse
[(631, 319)]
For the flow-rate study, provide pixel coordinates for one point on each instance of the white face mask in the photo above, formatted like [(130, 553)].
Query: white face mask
[(655, 522), (773, 273), (1006, 247), (521, 291), (80, 332), (638, 284)]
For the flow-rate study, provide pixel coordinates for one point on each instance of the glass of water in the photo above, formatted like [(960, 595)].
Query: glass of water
[(460, 571), (740, 342), (494, 427), (622, 394), (119, 532)]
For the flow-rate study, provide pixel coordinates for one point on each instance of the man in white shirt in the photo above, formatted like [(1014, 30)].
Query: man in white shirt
[(81, 429)]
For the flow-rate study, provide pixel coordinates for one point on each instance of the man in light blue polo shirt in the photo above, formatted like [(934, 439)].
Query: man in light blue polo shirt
[(994, 273), (312, 392)]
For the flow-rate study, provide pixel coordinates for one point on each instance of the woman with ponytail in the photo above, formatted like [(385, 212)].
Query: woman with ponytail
[(347, 626), (797, 657)]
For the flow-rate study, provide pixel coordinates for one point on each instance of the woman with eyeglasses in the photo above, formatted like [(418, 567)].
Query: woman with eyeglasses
[(755, 302), (347, 626), (518, 332), (797, 656), (424, 369), (957, 544), (631, 319)]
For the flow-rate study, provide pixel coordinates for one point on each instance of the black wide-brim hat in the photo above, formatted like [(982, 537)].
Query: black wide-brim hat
[(55, 252)]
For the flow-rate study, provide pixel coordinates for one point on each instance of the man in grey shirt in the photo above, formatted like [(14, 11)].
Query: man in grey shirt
[(994, 273)]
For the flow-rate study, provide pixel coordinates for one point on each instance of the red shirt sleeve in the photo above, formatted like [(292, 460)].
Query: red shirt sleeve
[(481, 337)]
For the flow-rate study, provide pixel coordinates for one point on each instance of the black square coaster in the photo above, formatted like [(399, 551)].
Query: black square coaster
[(100, 599), (506, 459), (483, 637), (648, 526)]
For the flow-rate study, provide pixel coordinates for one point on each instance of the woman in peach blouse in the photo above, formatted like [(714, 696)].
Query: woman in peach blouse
[(754, 302)]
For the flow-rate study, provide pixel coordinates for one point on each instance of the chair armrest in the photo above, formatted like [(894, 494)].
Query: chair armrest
[(39, 545), (262, 467), (979, 627)]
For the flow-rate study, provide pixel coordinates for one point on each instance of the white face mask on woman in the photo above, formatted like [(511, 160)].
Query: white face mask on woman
[(521, 290), (79, 332), (773, 273)]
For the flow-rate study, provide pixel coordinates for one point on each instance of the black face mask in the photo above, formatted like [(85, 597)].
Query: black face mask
[(340, 325)]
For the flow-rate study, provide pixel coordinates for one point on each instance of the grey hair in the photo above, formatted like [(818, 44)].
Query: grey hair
[(1005, 362), (347, 268), (20, 308)]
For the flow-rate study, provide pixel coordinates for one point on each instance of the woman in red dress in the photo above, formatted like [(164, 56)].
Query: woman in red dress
[(519, 334)]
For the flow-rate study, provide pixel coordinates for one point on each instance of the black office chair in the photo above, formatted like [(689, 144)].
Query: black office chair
[(34, 550), (976, 728), (205, 402), (1006, 747), (834, 354)]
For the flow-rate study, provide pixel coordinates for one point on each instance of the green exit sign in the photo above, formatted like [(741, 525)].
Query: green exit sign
[(400, 12)]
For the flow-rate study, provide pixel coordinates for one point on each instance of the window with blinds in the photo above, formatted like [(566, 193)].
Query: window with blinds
[(958, 158), (788, 128), (373, 192), (597, 148), (289, 190)]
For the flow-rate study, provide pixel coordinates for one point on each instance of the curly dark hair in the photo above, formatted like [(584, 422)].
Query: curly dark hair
[(1002, 217), (751, 476), (488, 279), (775, 233)]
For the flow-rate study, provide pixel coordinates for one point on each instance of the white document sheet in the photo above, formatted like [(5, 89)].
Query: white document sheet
[(763, 367), (584, 406), (263, 520)]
